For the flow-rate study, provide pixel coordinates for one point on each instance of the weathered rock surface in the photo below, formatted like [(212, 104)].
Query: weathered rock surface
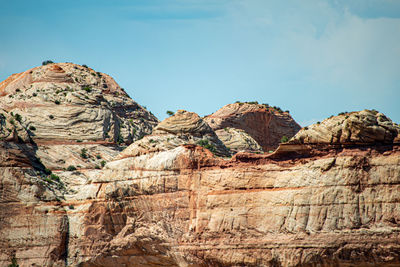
[(363, 127), (165, 201), (65, 119), (67, 102), (264, 124), (238, 140), (181, 129), (33, 224), (184, 208)]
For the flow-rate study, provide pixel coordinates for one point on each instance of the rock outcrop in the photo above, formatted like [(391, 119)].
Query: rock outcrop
[(363, 127), (238, 140), (184, 207), (183, 128), (167, 201), (59, 124), (69, 103), (265, 124)]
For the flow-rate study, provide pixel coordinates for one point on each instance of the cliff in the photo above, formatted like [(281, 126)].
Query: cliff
[(328, 197)]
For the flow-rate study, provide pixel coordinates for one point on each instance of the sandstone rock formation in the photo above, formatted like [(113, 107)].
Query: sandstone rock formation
[(76, 116), (181, 129), (183, 207), (238, 140), (59, 124), (67, 102), (166, 201), (363, 127), (266, 125)]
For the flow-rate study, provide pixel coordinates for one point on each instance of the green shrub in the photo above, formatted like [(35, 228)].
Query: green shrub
[(97, 167), (98, 156), (57, 102), (84, 153), (71, 207), (84, 65), (71, 168), (47, 62), (170, 113), (54, 177), (204, 143), (18, 117), (47, 171), (51, 117), (87, 89), (103, 163), (13, 263), (79, 141), (284, 139)]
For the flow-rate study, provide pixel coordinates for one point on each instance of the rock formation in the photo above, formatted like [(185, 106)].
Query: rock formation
[(181, 129), (265, 124), (167, 201), (364, 127), (238, 140), (183, 207), (66, 102)]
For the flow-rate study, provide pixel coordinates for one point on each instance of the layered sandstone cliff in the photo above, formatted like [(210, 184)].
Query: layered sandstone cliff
[(266, 125), (184, 207), (329, 197)]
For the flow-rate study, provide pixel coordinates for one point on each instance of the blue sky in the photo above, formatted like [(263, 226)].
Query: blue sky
[(315, 58)]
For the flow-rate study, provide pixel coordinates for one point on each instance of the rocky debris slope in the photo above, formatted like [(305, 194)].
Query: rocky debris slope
[(265, 124), (184, 207), (363, 127), (183, 128)]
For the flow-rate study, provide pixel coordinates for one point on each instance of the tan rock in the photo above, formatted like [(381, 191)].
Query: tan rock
[(361, 127), (183, 128), (68, 102), (264, 124), (165, 201), (238, 140)]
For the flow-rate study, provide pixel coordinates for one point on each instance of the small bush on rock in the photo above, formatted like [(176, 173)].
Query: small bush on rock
[(284, 139), (71, 168), (47, 62)]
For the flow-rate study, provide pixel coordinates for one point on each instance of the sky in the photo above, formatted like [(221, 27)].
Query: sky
[(315, 58)]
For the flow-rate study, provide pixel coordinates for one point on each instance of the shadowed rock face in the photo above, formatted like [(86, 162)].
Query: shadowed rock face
[(264, 124)]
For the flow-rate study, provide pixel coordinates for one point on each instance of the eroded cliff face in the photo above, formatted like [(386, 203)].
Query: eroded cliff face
[(265, 124), (59, 124), (185, 208), (166, 201)]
